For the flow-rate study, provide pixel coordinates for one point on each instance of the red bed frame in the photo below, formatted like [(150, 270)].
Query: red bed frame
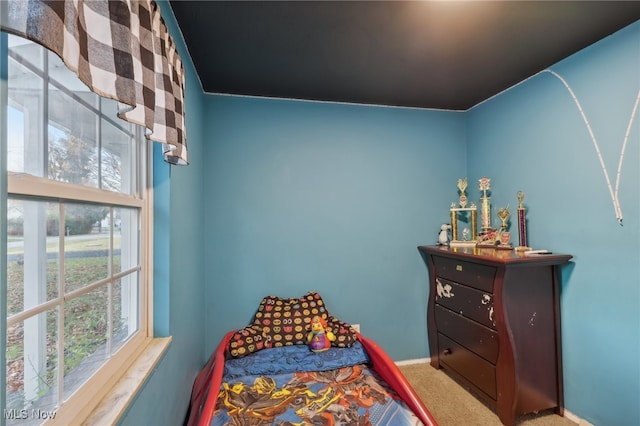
[(207, 383)]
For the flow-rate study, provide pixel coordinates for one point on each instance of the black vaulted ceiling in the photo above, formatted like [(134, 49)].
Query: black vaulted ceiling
[(428, 54)]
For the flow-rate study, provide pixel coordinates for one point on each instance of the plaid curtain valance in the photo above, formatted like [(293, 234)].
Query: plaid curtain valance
[(121, 49)]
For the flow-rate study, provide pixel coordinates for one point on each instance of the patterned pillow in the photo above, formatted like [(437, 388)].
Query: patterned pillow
[(285, 322), (345, 334), (246, 341)]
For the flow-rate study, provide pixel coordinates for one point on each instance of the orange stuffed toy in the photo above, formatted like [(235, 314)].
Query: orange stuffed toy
[(319, 338)]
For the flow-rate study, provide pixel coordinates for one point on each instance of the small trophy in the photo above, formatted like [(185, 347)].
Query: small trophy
[(505, 235), (522, 224), (462, 186)]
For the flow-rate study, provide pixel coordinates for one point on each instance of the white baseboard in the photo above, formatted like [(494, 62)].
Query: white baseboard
[(413, 361), (581, 422)]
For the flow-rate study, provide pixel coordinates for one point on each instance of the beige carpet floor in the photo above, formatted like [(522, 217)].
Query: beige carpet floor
[(452, 405)]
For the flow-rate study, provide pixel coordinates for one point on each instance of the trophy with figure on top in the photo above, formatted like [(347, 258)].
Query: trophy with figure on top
[(468, 214), (504, 237), (489, 235)]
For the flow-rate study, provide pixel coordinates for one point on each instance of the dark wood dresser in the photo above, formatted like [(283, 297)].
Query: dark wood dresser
[(494, 325)]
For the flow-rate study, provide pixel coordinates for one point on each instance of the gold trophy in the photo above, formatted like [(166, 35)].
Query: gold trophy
[(505, 235), (485, 203), (472, 215), (462, 186), (489, 236)]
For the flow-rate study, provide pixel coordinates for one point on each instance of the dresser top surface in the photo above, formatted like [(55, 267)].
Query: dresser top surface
[(496, 256)]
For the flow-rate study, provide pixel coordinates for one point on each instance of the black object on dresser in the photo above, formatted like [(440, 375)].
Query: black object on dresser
[(494, 325)]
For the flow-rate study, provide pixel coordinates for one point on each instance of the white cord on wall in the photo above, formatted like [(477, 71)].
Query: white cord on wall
[(614, 194)]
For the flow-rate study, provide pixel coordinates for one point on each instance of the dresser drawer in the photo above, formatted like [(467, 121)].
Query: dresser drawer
[(471, 274), (473, 336), (469, 365), (472, 303)]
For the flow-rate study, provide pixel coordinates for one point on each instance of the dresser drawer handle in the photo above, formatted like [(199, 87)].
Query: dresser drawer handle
[(446, 352), (458, 267)]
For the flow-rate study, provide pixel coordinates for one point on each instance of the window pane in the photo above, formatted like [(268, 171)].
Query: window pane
[(72, 136), (85, 337), (32, 372), (80, 151), (125, 310), (117, 153), (27, 51), (31, 237), (126, 232), (86, 245), (25, 148), (61, 75)]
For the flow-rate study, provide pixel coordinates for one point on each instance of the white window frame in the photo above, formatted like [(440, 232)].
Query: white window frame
[(85, 399)]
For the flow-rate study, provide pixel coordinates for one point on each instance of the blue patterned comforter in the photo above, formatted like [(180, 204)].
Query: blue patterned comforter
[(292, 385)]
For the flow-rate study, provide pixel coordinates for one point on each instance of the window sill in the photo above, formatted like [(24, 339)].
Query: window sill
[(116, 401)]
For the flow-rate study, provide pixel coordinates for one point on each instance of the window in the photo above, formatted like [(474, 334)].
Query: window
[(77, 237)]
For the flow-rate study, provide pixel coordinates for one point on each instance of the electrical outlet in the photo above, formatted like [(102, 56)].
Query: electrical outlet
[(356, 327)]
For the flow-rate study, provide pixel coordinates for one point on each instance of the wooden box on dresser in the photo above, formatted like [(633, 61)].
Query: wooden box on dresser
[(493, 320)]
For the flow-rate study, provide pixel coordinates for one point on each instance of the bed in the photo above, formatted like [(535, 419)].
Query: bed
[(266, 374)]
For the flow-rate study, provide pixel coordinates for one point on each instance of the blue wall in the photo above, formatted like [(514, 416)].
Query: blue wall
[(334, 198), (533, 138)]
